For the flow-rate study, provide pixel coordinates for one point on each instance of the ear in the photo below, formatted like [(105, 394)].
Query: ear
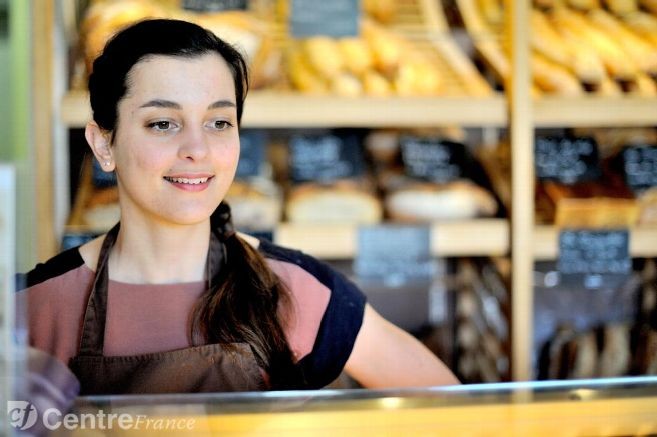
[(99, 141)]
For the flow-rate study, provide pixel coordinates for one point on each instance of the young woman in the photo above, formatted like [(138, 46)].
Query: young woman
[(172, 299)]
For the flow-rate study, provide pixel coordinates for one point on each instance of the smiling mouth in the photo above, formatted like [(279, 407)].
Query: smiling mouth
[(188, 181)]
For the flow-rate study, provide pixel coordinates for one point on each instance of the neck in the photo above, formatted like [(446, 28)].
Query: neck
[(159, 253)]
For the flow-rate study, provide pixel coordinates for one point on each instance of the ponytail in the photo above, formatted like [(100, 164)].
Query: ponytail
[(242, 303)]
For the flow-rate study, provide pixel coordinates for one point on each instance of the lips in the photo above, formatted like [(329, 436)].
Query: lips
[(190, 182)]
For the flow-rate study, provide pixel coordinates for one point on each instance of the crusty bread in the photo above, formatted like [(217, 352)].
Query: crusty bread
[(337, 203), (426, 202)]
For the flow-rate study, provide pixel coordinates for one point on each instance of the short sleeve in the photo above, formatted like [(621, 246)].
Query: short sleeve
[(339, 325)]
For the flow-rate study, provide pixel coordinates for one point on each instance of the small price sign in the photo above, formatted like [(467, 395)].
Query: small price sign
[(567, 160), (214, 5), (394, 254), (335, 18), (252, 153), (433, 159), (593, 252), (640, 165), (325, 158)]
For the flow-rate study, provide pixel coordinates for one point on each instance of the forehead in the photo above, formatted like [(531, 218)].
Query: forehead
[(171, 76)]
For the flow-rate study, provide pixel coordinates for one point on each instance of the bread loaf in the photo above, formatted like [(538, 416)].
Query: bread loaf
[(591, 205), (338, 203), (421, 202)]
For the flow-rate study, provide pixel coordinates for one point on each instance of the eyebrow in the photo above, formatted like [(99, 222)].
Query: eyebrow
[(160, 103)]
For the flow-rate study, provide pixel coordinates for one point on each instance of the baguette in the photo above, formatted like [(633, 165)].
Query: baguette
[(612, 56), (645, 25), (554, 78), (622, 7), (638, 49)]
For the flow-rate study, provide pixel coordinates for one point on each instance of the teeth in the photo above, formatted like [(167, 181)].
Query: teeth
[(195, 181)]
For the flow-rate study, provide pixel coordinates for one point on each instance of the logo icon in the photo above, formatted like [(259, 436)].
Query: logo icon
[(22, 415)]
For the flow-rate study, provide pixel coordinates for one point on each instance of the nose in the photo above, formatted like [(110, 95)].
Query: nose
[(194, 146)]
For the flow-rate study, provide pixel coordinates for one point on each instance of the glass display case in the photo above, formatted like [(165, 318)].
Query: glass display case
[(624, 406)]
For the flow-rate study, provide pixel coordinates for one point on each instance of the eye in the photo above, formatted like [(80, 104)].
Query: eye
[(221, 124), (161, 125)]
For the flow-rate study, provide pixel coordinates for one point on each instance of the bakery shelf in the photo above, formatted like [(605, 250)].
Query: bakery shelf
[(642, 242), (592, 110), (481, 237), (467, 99), (272, 109), (595, 111)]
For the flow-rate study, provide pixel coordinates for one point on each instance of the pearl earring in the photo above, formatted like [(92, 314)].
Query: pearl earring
[(106, 163)]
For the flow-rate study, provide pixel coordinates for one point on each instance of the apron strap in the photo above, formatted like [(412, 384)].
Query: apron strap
[(92, 341)]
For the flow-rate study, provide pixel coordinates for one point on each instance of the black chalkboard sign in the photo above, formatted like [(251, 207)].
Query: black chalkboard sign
[(394, 254), (640, 166), (567, 160), (334, 18), (432, 159), (252, 153), (213, 5), (325, 158), (593, 252)]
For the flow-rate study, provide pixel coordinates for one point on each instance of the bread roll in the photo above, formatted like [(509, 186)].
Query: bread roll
[(374, 84), (356, 54), (421, 202), (381, 10), (338, 203), (302, 76), (346, 85), (323, 55)]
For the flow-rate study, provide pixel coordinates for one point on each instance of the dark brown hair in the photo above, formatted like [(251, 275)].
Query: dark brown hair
[(243, 303)]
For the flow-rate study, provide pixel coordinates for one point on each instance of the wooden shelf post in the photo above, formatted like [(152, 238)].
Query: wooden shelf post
[(522, 186)]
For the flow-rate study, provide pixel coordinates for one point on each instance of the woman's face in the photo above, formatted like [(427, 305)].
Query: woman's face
[(176, 144)]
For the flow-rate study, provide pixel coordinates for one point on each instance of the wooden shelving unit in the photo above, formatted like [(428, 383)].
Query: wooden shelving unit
[(521, 113), (272, 109)]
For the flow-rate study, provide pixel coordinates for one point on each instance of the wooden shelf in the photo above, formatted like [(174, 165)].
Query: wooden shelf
[(483, 237), (643, 241), (272, 109), (595, 111)]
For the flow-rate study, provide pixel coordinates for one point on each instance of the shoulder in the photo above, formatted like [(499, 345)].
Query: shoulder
[(56, 267), (328, 312)]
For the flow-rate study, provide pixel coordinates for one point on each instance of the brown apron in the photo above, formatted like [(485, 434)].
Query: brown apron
[(208, 368)]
